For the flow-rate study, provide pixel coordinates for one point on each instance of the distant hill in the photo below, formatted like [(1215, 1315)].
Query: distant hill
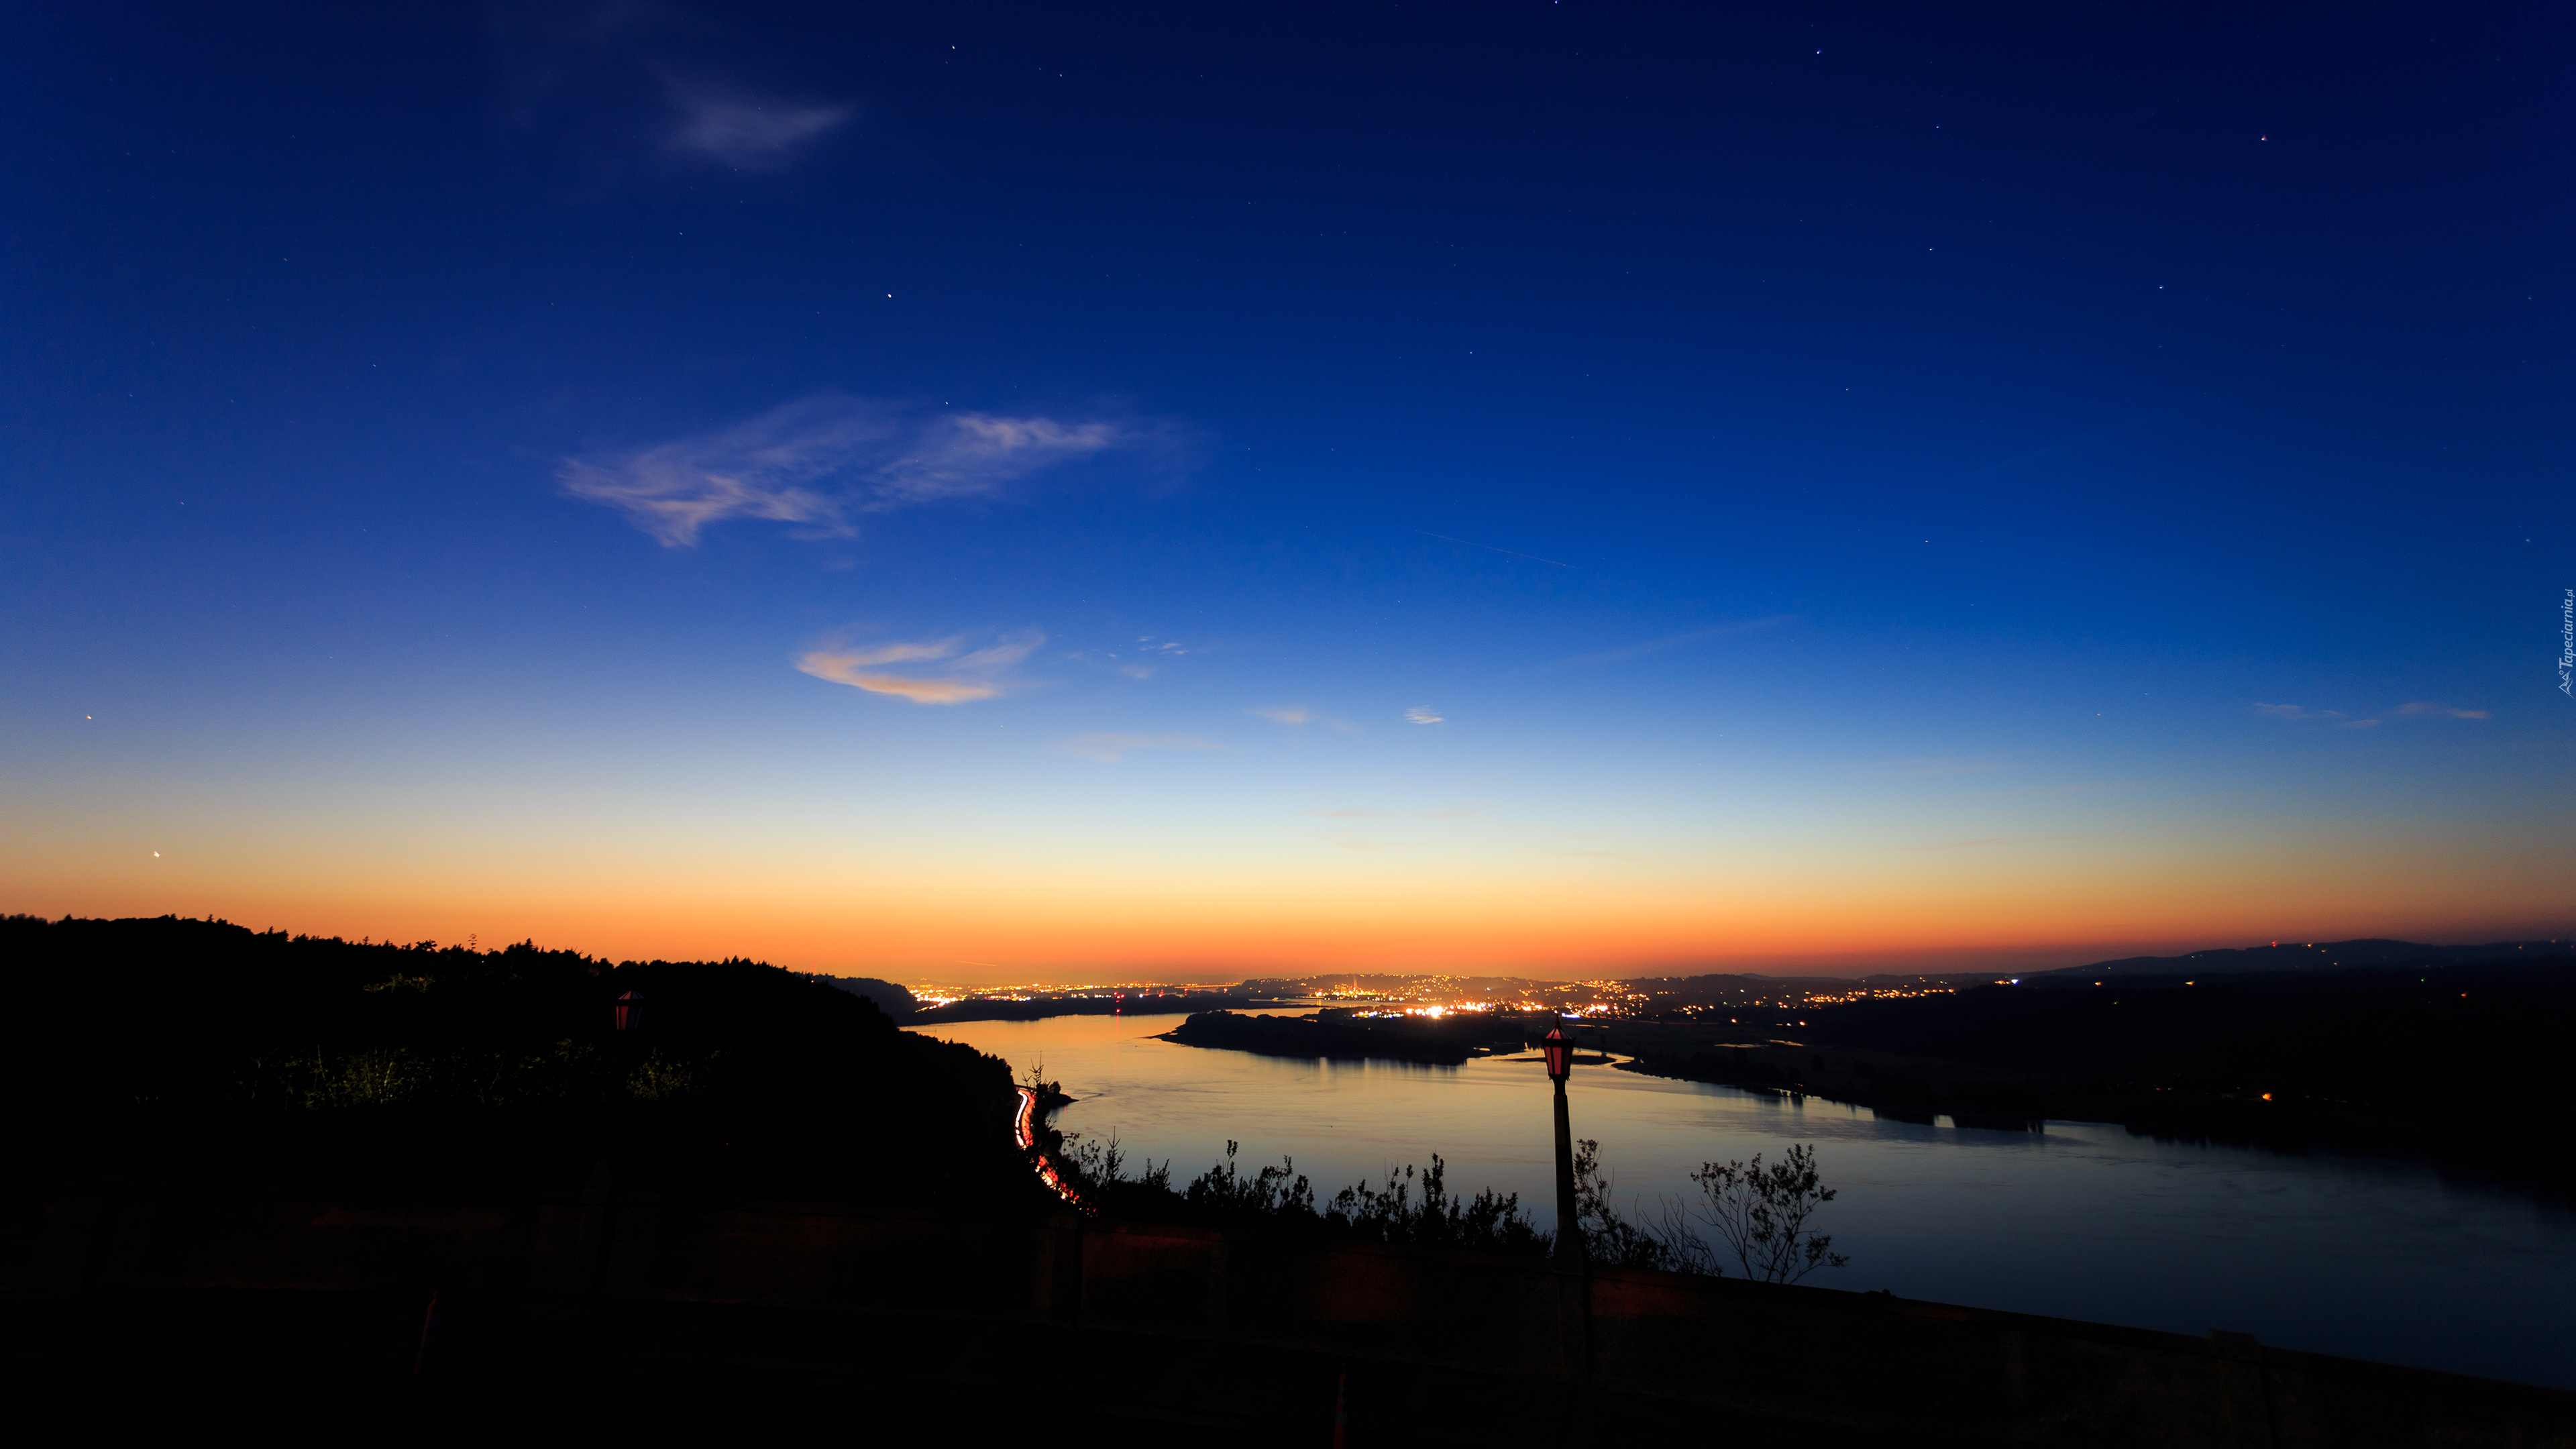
[(2315, 956), (891, 999)]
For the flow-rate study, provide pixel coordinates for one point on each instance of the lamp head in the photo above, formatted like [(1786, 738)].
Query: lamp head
[(1560, 1053)]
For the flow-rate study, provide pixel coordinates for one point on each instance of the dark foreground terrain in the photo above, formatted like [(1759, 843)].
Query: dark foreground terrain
[(648, 1312), (169, 1048), (250, 1165)]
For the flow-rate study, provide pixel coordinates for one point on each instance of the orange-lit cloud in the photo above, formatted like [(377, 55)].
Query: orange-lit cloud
[(960, 679)]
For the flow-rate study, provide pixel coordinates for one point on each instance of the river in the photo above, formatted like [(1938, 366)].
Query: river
[(2371, 1259)]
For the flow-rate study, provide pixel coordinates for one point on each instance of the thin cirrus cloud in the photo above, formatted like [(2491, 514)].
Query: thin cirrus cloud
[(2412, 709), (1152, 648), (822, 461), (1424, 714), (746, 132), (616, 85), (957, 676), (1108, 749), (2302, 712), (1298, 714)]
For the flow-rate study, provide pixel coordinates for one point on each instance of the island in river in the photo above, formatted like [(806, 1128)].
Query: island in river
[(1448, 1039)]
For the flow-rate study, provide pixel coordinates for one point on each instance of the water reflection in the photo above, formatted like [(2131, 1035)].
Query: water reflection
[(2334, 1255)]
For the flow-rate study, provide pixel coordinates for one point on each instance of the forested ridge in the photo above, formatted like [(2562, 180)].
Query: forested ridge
[(2461, 1065), (175, 1048)]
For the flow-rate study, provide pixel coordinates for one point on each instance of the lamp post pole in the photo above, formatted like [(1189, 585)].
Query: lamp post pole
[(1569, 1227)]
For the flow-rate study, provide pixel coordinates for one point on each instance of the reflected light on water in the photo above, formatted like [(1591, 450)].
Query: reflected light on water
[(2334, 1255)]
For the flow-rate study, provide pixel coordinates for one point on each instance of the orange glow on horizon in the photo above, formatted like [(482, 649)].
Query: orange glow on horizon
[(1136, 914)]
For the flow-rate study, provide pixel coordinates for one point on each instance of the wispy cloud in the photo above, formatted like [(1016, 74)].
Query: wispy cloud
[(959, 678), (1149, 647), (823, 460), (1674, 641), (1298, 714), (2412, 709), (744, 131), (1424, 714), (625, 88), (1108, 749), (2297, 711)]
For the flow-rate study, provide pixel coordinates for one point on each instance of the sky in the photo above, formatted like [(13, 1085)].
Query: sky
[(982, 492)]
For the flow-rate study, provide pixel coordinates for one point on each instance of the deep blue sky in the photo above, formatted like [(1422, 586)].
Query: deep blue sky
[(1834, 483)]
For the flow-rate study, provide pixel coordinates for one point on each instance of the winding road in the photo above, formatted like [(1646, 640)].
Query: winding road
[(1024, 1122)]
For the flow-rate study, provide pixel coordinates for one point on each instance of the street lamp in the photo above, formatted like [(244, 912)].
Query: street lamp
[(630, 1011), (1569, 1230)]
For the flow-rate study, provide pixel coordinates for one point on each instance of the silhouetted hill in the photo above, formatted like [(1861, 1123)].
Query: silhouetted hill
[(2315, 956), (895, 1001), (185, 1048), (2461, 1065)]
